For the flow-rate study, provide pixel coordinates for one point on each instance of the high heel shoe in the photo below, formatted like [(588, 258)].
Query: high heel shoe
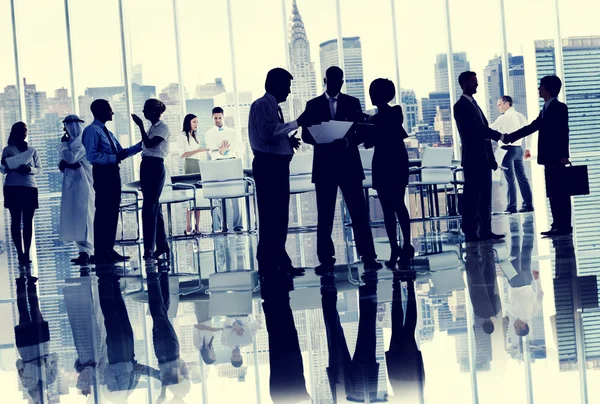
[(407, 255), (396, 253)]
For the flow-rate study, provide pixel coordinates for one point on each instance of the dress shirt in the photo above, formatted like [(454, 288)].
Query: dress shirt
[(525, 302), (510, 122), (546, 104), (97, 145), (332, 103), (161, 150), (266, 132), (215, 137), (185, 146)]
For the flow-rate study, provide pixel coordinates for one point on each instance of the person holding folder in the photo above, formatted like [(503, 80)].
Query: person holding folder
[(338, 164), (553, 148), (105, 153), (20, 163)]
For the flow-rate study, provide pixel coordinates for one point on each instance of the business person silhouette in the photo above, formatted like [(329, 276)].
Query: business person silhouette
[(357, 374), (404, 359), (286, 382), (477, 160), (553, 149), (390, 168), (338, 164)]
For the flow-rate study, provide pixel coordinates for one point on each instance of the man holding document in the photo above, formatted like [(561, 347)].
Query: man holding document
[(336, 163)]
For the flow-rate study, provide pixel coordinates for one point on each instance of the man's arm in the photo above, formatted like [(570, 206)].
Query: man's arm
[(471, 126), (307, 137), (91, 141), (269, 126), (562, 130), (525, 130), (133, 150)]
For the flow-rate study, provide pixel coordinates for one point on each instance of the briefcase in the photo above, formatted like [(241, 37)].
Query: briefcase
[(567, 180)]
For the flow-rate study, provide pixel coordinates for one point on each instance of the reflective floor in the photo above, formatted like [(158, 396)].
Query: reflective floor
[(450, 329)]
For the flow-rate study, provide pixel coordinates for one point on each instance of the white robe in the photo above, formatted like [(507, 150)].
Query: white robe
[(77, 204)]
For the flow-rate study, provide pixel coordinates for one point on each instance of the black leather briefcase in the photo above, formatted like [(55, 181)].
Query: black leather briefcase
[(568, 180)]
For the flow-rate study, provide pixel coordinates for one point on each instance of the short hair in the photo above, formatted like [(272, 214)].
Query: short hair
[(276, 78), (155, 105), (464, 77), (99, 105), (523, 331), (217, 110), (334, 72), (237, 363), (551, 83), (382, 91), (507, 98), (488, 327)]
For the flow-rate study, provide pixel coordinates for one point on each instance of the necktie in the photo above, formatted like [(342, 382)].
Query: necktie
[(112, 144), (332, 107), (280, 114), (478, 110)]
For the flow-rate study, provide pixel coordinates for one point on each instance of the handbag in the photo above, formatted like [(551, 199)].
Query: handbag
[(567, 180)]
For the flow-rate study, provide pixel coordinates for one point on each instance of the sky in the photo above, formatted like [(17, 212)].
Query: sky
[(260, 42)]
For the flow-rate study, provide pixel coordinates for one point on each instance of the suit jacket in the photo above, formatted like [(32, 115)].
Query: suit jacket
[(475, 136), (553, 140), (334, 162)]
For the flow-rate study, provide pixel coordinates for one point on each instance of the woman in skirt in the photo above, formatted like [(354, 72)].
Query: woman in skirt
[(20, 188)]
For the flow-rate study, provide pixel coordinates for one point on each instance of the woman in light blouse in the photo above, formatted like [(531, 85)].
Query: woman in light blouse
[(20, 189), (152, 177), (190, 151)]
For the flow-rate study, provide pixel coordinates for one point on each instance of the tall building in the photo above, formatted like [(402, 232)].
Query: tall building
[(495, 86), (428, 106), (581, 60), (137, 76), (35, 101), (443, 124), (209, 90), (304, 85), (353, 65), (410, 107), (461, 64), (426, 135)]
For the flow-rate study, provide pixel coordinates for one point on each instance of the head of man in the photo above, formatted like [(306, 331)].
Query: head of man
[(521, 328), (468, 82), (334, 80), (549, 87), (504, 103), (101, 110), (236, 358), (218, 116), (279, 83)]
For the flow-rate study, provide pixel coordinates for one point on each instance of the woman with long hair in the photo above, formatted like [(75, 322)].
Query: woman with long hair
[(152, 177), (390, 168), (190, 149), (20, 188)]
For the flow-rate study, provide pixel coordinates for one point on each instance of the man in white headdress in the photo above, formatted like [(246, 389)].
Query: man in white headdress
[(77, 204)]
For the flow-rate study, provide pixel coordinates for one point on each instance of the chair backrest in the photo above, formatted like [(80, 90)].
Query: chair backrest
[(366, 158), (437, 157), (301, 163), (222, 178)]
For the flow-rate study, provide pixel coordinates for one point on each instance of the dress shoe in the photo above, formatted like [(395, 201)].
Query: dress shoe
[(548, 232), (324, 269), (394, 256), (407, 255), (510, 211), (558, 232), (491, 236), (238, 229), (371, 264), (82, 260), (115, 256), (526, 209)]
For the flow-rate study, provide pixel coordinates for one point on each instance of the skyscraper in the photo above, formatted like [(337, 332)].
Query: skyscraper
[(410, 107), (353, 64), (495, 88), (428, 106), (443, 124), (209, 90), (304, 85), (461, 64)]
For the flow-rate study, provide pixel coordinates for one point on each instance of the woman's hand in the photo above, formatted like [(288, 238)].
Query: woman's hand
[(137, 120)]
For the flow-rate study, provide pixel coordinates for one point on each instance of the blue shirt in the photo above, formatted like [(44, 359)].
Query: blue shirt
[(97, 146), (266, 132)]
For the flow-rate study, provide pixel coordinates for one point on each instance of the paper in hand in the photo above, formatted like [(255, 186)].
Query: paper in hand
[(24, 158), (327, 132)]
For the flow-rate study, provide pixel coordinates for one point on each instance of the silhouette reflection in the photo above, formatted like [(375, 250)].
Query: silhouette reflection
[(173, 370), (122, 372), (403, 359), (287, 383), (359, 374), (37, 366), (86, 321)]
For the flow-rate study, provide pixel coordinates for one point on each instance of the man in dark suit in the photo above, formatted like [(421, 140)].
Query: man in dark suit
[(553, 148), (477, 160), (336, 165)]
